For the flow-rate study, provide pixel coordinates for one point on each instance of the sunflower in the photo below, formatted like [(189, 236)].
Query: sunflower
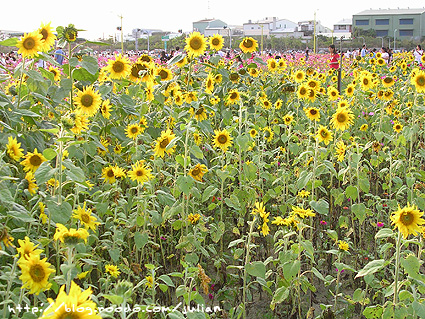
[(32, 186), (164, 73), (108, 174), (209, 84), (30, 44), (234, 77), (397, 127), (312, 113), (75, 305), (133, 130), (112, 270), (193, 219), (408, 220), (33, 161), (136, 70), (14, 149), (70, 236), (278, 104), (196, 44), (272, 65), (311, 95), (265, 103), (216, 42), (388, 81), (105, 109), (198, 172), (197, 138), (27, 249), (313, 84), (199, 114), (364, 127), (324, 135), (35, 274), (366, 82), (418, 80), (178, 98), (343, 245), (81, 123), (268, 134), (349, 90), (70, 33), (299, 76), (302, 92), (222, 140), (232, 97), (248, 45), (85, 217), (288, 118), (56, 73), (162, 143), (146, 58), (47, 37), (333, 93), (218, 78), (140, 173), (253, 132), (342, 119), (190, 97), (181, 63), (88, 101), (254, 72), (340, 151), (118, 68)]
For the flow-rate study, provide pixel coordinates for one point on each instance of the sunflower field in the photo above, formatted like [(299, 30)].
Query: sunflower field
[(207, 187)]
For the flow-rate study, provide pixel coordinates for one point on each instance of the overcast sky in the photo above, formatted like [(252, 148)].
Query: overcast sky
[(101, 18)]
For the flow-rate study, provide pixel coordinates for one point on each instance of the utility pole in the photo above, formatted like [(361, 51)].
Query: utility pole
[(122, 36)]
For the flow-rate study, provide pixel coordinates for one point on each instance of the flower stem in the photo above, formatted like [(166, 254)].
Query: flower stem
[(397, 266)]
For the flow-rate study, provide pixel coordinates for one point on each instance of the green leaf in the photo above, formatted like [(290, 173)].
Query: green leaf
[(373, 312), (140, 239), (279, 296), (364, 185), (59, 213), (256, 269), (185, 184), (209, 192), (419, 309), (243, 142), (372, 267), (384, 233), (360, 211), (166, 279), (11, 42), (321, 206), (196, 151), (90, 64), (304, 178), (233, 202), (351, 192), (116, 300), (83, 75), (44, 172), (74, 173), (98, 43), (25, 112), (49, 154), (290, 269), (115, 254)]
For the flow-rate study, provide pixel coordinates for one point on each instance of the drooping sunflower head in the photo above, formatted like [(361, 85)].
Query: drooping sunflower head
[(30, 44), (56, 73), (408, 220), (70, 33), (198, 172), (216, 42), (248, 45), (47, 37), (14, 149), (196, 44)]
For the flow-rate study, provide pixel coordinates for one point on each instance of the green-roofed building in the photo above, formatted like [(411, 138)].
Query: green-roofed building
[(401, 23)]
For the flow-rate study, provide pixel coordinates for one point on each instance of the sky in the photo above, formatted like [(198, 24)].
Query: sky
[(100, 19)]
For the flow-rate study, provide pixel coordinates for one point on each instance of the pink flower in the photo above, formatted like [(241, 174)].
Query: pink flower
[(379, 224), (322, 222)]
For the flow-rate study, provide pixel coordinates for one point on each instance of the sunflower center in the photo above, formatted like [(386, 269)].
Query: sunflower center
[(139, 172), (341, 118), (222, 139), (407, 218), (87, 100), (134, 130), (118, 67), (195, 43), (29, 44), (248, 43), (388, 80), (135, 70), (313, 112), (420, 81), (164, 143), (37, 273), (365, 81), (110, 173), (35, 160), (85, 218), (215, 41), (44, 33), (324, 134), (196, 171), (200, 111), (163, 74), (233, 95), (303, 91)]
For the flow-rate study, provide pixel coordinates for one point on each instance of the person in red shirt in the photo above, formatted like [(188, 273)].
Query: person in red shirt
[(334, 57)]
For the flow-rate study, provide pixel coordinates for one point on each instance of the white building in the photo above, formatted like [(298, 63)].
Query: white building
[(267, 26)]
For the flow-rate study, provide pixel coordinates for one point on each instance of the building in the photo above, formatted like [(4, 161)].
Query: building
[(307, 27), (269, 26), (343, 26), (401, 23), (202, 25)]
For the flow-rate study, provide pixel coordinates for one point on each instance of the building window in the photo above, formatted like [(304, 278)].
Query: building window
[(252, 28), (406, 21), (382, 21), (362, 22), (381, 33), (406, 33)]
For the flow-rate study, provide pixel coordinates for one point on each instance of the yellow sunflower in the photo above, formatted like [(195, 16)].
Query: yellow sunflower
[(88, 101), (312, 113), (222, 139), (133, 131), (278, 104), (13, 148), (199, 114), (248, 45), (366, 83), (342, 119), (302, 92), (30, 44), (75, 305), (181, 63), (340, 151), (272, 65), (85, 217), (198, 172), (112, 270), (140, 173), (162, 143), (47, 37), (70, 33), (324, 135), (333, 93), (164, 73), (408, 220), (388, 81), (32, 186), (299, 76), (26, 249), (209, 84), (418, 80), (105, 109), (216, 42), (118, 68), (397, 127), (288, 118), (70, 236), (268, 134), (56, 72), (232, 97), (33, 161), (349, 90), (196, 44), (35, 274)]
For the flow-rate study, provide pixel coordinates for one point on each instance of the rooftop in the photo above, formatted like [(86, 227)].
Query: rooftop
[(391, 11), (345, 22)]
